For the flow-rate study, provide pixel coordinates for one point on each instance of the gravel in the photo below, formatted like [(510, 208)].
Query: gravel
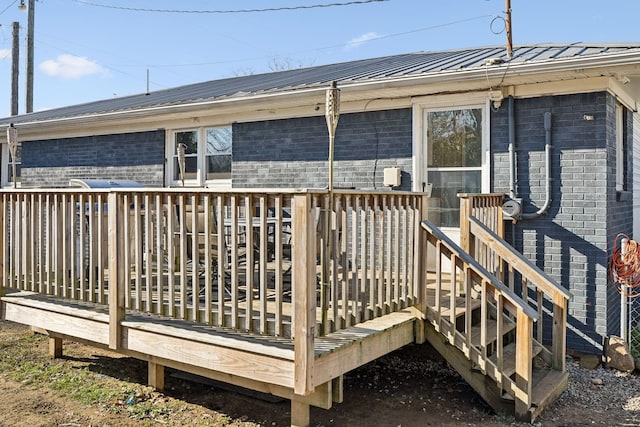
[(417, 375), (599, 396)]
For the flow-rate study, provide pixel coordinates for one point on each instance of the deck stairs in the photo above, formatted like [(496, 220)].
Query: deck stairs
[(491, 331)]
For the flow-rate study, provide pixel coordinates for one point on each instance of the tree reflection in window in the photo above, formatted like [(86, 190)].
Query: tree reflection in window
[(455, 138), (218, 152)]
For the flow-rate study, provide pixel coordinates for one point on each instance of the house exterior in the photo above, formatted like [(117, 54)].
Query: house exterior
[(554, 128)]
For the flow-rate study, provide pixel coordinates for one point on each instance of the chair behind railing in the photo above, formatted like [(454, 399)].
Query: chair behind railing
[(368, 255), (81, 243), (53, 243)]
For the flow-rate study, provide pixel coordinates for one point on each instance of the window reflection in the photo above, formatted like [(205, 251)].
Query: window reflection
[(454, 161)]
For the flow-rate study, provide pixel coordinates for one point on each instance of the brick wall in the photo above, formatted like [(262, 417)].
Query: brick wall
[(572, 240), (620, 212), (137, 156), (293, 153)]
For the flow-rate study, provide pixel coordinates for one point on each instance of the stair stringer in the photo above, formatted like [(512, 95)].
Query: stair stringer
[(484, 385)]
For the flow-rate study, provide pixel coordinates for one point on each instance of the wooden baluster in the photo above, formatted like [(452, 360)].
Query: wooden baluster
[(116, 284)]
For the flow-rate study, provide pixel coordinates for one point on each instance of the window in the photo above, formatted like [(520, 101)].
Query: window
[(207, 157), (7, 171), (218, 153)]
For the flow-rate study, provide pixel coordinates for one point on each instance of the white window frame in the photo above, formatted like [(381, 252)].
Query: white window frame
[(5, 167), (201, 179), (452, 102)]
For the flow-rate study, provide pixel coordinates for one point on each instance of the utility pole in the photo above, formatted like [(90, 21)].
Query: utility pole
[(15, 66), (508, 26), (30, 22)]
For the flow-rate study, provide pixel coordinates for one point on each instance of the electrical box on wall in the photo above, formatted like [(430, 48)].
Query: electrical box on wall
[(511, 209), (392, 177)]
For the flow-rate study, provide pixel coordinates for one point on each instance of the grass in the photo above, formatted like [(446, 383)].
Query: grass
[(24, 358)]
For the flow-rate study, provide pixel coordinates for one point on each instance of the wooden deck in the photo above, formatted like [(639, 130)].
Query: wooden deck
[(265, 364), (284, 297)]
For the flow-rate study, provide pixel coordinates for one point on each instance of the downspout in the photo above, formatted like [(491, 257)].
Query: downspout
[(547, 149), (513, 193)]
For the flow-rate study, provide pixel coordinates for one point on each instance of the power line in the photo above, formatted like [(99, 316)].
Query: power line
[(461, 21), (7, 8), (433, 27), (315, 6)]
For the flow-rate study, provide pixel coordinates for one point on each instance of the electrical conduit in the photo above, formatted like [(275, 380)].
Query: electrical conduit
[(547, 151)]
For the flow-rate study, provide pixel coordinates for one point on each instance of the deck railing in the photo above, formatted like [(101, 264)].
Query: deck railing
[(232, 259)]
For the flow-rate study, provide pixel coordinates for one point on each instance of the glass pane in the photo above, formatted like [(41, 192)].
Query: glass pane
[(18, 172), (218, 167), (454, 138), (444, 208), (18, 154), (189, 139), (218, 153), (190, 168), (218, 141)]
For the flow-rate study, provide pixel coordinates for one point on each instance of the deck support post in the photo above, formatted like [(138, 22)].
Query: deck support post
[(300, 413), (524, 349), (156, 375), (421, 251), (559, 333), (419, 331), (116, 284), (55, 347), (304, 294)]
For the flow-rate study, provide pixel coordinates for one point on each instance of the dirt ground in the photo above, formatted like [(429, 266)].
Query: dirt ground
[(93, 387)]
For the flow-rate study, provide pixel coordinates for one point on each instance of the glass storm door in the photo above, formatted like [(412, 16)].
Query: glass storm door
[(454, 147)]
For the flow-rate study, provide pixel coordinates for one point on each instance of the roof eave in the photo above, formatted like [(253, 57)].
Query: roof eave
[(508, 73)]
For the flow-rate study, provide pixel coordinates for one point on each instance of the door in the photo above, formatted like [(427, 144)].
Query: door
[(454, 159)]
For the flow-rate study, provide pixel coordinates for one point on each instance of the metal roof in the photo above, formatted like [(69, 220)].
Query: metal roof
[(353, 72)]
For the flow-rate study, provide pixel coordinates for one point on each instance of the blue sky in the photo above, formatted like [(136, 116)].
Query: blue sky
[(84, 51)]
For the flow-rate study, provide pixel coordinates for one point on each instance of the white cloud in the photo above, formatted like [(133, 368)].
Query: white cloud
[(354, 43), (71, 67), (5, 53)]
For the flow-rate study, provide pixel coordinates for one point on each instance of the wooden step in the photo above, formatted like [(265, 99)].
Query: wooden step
[(460, 308), (548, 384), (492, 330), (509, 355)]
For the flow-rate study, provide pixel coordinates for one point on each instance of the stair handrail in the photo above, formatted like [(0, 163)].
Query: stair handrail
[(558, 294), (502, 247), (511, 296), (525, 316)]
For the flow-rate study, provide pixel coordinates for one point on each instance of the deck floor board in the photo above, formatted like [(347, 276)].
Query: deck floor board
[(278, 347)]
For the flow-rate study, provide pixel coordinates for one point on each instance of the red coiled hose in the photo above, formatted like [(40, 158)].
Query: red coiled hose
[(624, 268)]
